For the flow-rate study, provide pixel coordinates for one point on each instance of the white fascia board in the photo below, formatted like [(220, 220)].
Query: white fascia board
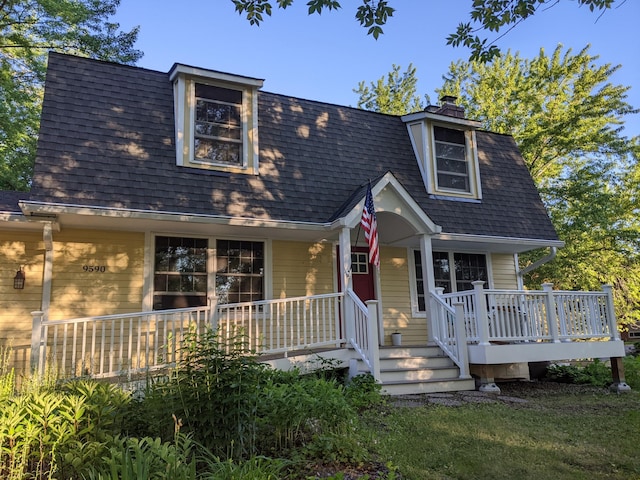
[(352, 218), (530, 242), (22, 221), (413, 117), (179, 69), (35, 208)]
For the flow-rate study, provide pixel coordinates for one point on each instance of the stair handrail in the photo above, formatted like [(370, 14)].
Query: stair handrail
[(362, 330), (449, 331)]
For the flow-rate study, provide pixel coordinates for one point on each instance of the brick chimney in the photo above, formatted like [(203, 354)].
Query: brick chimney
[(448, 107)]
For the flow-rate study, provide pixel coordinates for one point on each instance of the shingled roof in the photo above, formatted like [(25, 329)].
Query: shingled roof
[(107, 140)]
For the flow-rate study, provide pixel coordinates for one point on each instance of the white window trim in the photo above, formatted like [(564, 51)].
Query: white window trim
[(185, 110), (471, 156), (413, 285), (149, 263)]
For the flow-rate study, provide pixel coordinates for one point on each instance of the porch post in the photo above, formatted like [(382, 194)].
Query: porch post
[(552, 317), (345, 259), (428, 280), (617, 373), (374, 351), (482, 318), (461, 340), (36, 341), (213, 312), (611, 312)]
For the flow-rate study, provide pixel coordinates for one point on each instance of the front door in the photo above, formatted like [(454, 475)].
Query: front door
[(362, 274)]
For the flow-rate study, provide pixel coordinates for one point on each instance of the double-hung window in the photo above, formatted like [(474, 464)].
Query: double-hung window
[(216, 117), (452, 165), (454, 272), (239, 271), (218, 126)]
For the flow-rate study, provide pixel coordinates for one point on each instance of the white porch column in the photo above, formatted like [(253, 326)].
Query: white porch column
[(428, 280), (611, 313), (482, 318), (47, 275), (345, 259), (373, 341), (36, 342), (552, 317)]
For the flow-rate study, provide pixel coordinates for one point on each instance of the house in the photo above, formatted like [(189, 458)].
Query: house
[(192, 195)]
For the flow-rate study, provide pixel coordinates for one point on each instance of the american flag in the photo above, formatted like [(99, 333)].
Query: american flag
[(370, 226)]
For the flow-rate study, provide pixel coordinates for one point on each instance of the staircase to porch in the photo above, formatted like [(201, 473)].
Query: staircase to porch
[(418, 369)]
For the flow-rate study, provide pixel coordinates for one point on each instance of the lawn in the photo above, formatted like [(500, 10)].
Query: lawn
[(560, 432)]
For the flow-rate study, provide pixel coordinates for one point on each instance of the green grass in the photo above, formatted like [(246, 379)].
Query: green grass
[(593, 435)]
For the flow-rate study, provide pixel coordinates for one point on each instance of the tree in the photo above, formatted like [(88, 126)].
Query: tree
[(28, 30), (395, 96), (568, 119), (491, 15)]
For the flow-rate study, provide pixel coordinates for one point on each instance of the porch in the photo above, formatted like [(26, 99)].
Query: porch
[(474, 329)]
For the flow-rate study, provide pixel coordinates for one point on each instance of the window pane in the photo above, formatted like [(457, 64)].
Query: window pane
[(217, 151), (453, 166), (448, 135), (218, 93), (446, 150), (454, 182)]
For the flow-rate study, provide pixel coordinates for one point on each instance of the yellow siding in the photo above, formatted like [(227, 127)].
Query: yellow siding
[(116, 286), (301, 269), (396, 298), (504, 272), (16, 305)]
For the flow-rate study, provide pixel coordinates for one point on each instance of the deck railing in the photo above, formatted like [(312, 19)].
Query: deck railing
[(126, 344), (283, 325), (449, 331), (112, 345), (535, 316), (362, 330)]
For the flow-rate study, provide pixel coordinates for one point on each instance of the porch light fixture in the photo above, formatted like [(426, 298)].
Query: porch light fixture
[(18, 280)]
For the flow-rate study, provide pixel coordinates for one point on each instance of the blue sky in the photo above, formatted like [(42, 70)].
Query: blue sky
[(325, 57)]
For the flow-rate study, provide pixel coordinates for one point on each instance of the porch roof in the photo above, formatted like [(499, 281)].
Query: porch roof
[(107, 141)]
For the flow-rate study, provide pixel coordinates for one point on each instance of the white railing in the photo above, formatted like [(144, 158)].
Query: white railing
[(112, 345), (283, 325), (126, 344), (535, 316), (362, 331), (449, 331)]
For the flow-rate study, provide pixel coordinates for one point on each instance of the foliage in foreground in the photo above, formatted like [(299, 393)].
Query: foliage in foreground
[(220, 415)]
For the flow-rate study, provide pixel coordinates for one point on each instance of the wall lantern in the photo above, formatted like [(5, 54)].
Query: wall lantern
[(18, 280)]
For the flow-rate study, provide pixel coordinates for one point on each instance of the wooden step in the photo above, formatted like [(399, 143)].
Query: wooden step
[(433, 386)]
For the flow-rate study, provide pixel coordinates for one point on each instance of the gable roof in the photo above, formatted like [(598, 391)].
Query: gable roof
[(107, 140)]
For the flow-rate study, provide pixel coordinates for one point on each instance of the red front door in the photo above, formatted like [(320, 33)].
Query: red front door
[(362, 274)]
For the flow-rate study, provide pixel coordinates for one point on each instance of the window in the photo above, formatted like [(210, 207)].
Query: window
[(216, 117), (467, 268), (452, 168), (180, 273), (360, 263), (180, 277), (218, 126), (239, 271)]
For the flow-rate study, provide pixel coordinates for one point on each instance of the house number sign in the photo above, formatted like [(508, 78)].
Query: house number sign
[(94, 268)]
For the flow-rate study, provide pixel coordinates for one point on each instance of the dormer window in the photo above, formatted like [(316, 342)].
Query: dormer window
[(216, 120), (218, 126), (445, 146), (452, 169)]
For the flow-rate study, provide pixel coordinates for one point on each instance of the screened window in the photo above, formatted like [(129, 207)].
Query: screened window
[(240, 271), (452, 167), (467, 268), (180, 272), (218, 125)]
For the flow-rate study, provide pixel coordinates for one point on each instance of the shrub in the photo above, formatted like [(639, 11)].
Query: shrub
[(595, 373)]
